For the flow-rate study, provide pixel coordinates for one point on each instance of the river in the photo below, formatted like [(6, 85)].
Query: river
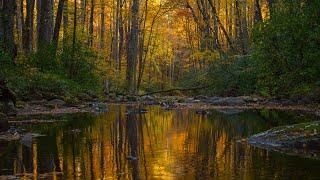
[(160, 144)]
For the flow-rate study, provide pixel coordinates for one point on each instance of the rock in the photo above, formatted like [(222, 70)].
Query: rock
[(168, 105), (229, 111), (121, 99), (202, 112), (56, 102), (147, 98), (229, 101), (99, 106), (28, 138), (210, 99)]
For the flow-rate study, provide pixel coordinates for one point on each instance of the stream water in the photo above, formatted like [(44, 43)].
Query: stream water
[(160, 144)]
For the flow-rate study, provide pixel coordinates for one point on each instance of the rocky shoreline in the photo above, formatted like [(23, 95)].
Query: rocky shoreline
[(299, 139)]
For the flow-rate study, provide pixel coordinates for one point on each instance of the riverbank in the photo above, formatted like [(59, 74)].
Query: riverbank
[(299, 139), (58, 106)]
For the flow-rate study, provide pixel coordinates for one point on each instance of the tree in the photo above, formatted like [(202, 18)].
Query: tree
[(46, 22), (7, 12), (65, 23), (133, 46), (91, 24), (74, 37), (28, 27), (102, 25), (257, 12), (58, 23)]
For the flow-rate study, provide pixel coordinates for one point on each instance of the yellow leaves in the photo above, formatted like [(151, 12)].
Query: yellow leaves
[(206, 55)]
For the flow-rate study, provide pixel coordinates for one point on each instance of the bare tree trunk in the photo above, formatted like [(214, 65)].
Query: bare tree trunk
[(141, 47), (72, 69), (257, 12), (244, 28), (65, 24), (38, 13), (237, 24), (7, 12), (74, 37), (83, 14), (28, 27), (46, 23), (214, 11), (115, 46), (121, 35), (103, 26), (19, 22), (1, 26), (58, 23), (230, 21), (91, 24), (133, 46)]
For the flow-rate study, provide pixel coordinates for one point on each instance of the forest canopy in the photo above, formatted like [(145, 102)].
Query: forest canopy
[(83, 49)]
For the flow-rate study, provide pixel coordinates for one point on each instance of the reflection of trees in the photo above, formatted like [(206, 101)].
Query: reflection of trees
[(166, 143), (132, 136)]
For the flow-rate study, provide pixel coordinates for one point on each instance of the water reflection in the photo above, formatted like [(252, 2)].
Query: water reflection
[(159, 144)]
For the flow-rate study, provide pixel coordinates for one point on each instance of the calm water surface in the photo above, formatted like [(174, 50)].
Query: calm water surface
[(177, 144)]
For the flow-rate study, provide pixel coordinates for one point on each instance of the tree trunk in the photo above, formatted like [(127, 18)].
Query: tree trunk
[(65, 24), (244, 28), (133, 46), (214, 11), (19, 22), (74, 37), (103, 26), (141, 47), (257, 12), (28, 27), (58, 23), (46, 23), (83, 14), (237, 24), (1, 27), (7, 11), (121, 35), (91, 24)]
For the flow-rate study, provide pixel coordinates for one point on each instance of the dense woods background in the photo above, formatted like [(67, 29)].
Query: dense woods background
[(79, 49)]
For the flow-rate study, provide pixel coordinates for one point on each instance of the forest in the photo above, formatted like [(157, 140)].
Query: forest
[(81, 49), (159, 89)]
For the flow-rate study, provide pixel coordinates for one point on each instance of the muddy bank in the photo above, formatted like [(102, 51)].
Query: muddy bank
[(299, 139), (57, 106)]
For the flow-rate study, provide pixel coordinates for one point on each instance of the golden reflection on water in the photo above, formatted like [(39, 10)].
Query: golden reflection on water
[(167, 144)]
